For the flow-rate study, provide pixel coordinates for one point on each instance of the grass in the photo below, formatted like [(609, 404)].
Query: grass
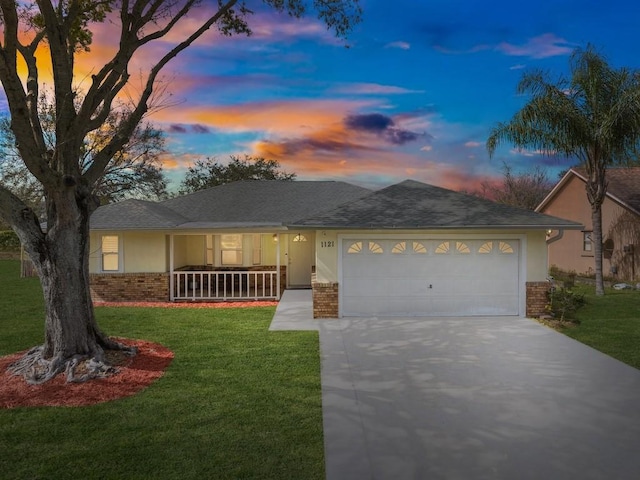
[(610, 324), (237, 402)]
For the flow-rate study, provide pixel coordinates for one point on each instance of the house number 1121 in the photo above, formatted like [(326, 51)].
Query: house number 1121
[(326, 244)]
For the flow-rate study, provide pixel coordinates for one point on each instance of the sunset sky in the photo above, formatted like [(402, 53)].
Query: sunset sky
[(414, 95)]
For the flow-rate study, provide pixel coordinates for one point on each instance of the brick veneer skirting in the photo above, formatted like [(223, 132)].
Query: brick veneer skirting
[(325, 299), (537, 298), (129, 287)]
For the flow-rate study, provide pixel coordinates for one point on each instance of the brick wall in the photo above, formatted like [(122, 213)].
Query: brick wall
[(325, 299), (148, 287), (130, 287), (537, 299)]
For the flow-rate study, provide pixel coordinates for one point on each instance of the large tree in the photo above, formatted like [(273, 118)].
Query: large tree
[(592, 116), (135, 171), (210, 173), (58, 31)]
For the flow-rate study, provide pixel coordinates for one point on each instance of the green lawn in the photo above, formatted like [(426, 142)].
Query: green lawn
[(610, 324), (237, 402)]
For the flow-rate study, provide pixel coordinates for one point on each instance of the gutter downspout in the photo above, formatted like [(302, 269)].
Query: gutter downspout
[(555, 238)]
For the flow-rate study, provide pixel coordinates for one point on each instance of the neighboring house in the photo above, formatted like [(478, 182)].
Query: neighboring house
[(574, 250), (408, 249)]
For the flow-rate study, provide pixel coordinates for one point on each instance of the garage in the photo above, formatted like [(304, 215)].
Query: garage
[(413, 249), (430, 277)]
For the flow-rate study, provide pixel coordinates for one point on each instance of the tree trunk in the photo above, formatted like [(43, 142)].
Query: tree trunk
[(596, 220), (71, 332)]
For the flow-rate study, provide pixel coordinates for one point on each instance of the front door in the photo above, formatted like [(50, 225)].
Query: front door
[(300, 259)]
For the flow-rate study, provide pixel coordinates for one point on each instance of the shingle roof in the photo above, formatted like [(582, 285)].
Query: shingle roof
[(135, 214), (245, 204), (269, 202), (624, 183), (412, 204), (623, 186)]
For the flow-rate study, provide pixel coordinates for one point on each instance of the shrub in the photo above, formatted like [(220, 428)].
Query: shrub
[(9, 241), (564, 303), (566, 278)]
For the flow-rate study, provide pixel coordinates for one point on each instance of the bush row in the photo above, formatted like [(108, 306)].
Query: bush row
[(9, 241)]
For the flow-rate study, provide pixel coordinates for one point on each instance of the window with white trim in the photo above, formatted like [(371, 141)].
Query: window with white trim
[(110, 251), (587, 241), (231, 249)]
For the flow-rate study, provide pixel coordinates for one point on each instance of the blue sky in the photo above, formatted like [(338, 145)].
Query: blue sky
[(414, 95)]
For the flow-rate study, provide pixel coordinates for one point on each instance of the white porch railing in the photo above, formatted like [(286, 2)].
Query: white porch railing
[(231, 285)]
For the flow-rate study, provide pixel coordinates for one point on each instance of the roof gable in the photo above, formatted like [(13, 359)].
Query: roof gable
[(623, 186), (411, 204)]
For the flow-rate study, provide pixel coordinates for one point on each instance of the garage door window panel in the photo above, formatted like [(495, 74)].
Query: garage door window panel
[(462, 248), (442, 248), (486, 248), (375, 248), (399, 248), (354, 248), (506, 248)]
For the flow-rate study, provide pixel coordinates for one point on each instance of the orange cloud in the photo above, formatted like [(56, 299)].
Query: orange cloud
[(273, 117), (171, 161)]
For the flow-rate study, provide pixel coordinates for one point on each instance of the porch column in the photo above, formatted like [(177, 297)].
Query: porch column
[(171, 279), (278, 266)]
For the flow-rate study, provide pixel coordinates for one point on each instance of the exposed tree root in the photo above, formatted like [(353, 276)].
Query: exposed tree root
[(36, 369)]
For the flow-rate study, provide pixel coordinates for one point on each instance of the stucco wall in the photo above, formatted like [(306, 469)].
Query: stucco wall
[(141, 252), (571, 203), (149, 251), (327, 256), (537, 269), (144, 252), (270, 247)]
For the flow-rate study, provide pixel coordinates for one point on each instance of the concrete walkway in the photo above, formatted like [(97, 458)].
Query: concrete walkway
[(471, 398), (294, 312)]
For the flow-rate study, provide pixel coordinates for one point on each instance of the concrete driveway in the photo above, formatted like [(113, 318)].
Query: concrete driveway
[(473, 398)]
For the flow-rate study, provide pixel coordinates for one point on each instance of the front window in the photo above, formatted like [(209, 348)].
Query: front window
[(587, 242), (110, 253), (231, 249)]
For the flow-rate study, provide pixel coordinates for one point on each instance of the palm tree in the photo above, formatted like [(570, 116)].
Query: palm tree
[(594, 116)]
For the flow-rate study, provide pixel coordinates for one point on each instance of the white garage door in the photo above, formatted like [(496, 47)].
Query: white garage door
[(430, 277)]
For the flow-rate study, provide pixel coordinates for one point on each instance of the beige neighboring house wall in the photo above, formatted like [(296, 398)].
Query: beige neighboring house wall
[(571, 253)]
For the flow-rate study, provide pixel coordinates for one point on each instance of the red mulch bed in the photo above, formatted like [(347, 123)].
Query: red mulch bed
[(265, 303), (135, 373)]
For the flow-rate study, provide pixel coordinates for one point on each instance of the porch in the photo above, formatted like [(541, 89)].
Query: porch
[(206, 283), (201, 266), (221, 266)]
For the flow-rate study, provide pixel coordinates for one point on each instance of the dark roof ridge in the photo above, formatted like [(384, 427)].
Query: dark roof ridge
[(414, 204)]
